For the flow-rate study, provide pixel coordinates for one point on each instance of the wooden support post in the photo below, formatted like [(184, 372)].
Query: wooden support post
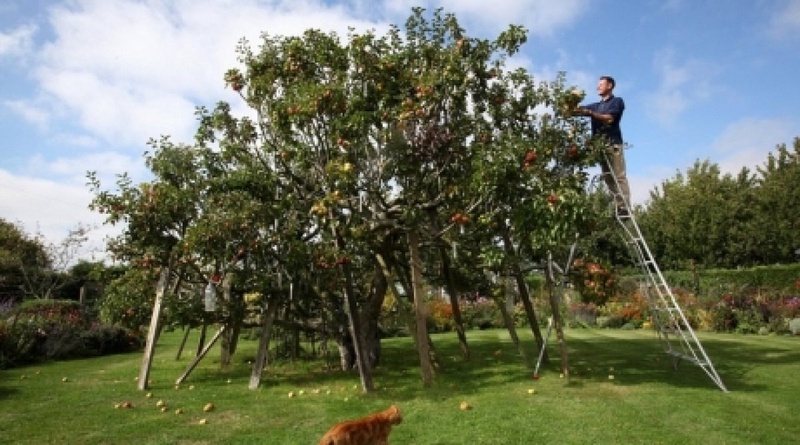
[(152, 333), (263, 345), (200, 356)]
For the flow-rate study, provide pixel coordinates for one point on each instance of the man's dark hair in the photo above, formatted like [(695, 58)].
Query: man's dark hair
[(610, 80)]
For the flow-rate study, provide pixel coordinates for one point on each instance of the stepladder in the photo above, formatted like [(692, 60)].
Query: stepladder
[(675, 333)]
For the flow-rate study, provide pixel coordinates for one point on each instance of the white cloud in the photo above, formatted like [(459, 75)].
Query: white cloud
[(30, 112), (129, 70), (747, 142), (642, 184), (682, 85), (72, 170), (785, 22), (52, 208), (18, 42)]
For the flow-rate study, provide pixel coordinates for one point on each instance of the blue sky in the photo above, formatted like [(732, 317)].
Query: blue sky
[(85, 83)]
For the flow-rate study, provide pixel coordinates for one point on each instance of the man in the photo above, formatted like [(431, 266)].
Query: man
[(606, 116)]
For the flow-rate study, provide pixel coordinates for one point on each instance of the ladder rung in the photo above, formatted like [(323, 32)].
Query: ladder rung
[(687, 357)]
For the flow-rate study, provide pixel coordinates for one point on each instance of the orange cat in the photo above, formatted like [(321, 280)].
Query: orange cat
[(371, 430)]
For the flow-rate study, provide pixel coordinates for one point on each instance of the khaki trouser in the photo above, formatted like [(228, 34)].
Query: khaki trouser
[(615, 156)]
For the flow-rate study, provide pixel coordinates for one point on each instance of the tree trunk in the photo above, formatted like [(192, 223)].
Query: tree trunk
[(370, 314), (558, 323), (201, 343), (186, 330), (347, 352), (451, 290), (524, 295), (230, 336), (420, 315), (405, 314), (364, 370)]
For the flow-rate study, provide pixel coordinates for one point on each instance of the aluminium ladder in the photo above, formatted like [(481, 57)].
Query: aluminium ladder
[(676, 334)]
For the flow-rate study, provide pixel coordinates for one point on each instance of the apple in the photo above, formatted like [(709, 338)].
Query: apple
[(202, 422), (464, 406), (531, 391), (208, 407), (552, 199), (178, 412), (572, 151), (160, 404)]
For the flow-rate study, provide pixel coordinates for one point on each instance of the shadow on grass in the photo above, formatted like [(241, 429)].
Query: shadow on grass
[(632, 357), (640, 358)]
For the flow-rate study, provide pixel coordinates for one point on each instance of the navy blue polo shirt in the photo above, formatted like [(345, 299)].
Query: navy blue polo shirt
[(614, 106)]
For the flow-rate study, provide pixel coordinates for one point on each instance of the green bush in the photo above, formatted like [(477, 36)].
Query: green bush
[(39, 330)]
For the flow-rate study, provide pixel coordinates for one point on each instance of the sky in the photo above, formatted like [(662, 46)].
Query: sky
[(84, 84)]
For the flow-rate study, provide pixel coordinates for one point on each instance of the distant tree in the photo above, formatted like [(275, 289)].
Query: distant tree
[(702, 217), (34, 264), (775, 232), (17, 250), (44, 276)]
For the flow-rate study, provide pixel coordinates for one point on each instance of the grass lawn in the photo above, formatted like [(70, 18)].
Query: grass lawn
[(647, 402)]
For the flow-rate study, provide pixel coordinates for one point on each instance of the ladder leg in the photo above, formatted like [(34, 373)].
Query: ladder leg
[(677, 336)]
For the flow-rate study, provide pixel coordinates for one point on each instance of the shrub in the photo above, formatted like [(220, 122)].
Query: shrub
[(605, 321), (40, 330), (440, 316), (584, 314), (103, 339), (481, 313)]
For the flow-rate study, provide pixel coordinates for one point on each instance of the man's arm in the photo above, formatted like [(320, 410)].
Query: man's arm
[(604, 118)]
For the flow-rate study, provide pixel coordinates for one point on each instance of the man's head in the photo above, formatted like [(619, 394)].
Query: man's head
[(605, 86)]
